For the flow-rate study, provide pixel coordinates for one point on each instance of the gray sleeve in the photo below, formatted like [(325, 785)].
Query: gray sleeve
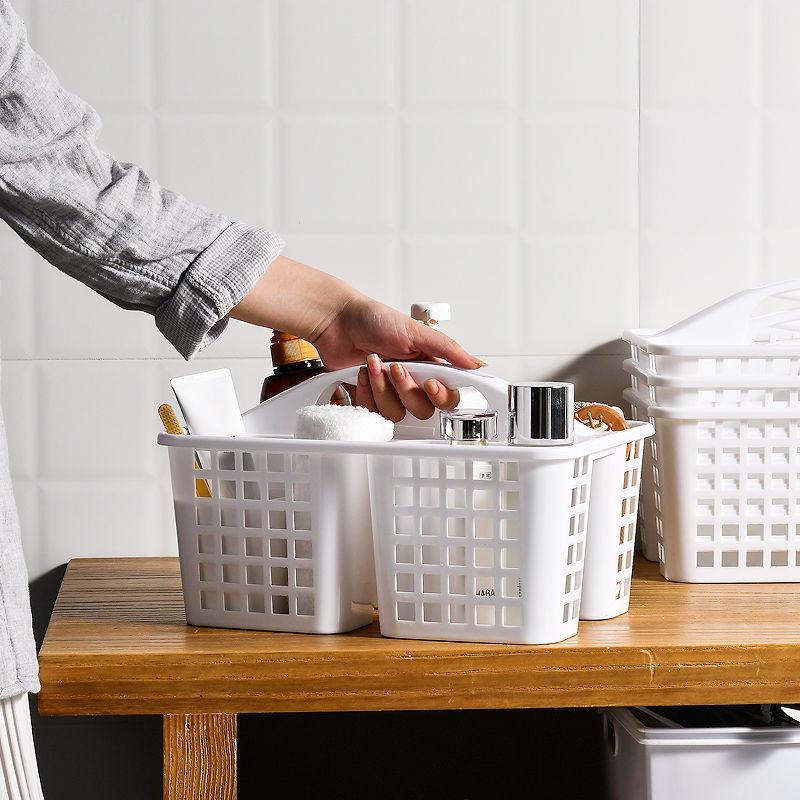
[(107, 223)]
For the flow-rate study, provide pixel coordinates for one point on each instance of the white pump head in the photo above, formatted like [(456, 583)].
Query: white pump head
[(431, 313)]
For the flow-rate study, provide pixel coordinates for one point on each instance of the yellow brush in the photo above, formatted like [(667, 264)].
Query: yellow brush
[(171, 425)]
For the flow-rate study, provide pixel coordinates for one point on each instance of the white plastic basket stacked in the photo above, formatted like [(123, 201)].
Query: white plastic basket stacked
[(721, 490), (470, 543)]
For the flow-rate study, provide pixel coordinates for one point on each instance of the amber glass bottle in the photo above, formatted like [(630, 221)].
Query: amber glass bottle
[(294, 360)]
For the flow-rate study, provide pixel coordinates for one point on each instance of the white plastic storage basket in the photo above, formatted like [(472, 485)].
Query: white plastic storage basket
[(644, 763), (283, 543), (726, 505)]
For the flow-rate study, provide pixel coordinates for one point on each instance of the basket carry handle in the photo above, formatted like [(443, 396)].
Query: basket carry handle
[(730, 321), (276, 416)]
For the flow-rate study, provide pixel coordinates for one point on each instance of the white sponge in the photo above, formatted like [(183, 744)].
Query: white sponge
[(343, 423)]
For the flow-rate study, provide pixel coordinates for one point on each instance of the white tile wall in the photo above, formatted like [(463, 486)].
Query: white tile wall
[(558, 170)]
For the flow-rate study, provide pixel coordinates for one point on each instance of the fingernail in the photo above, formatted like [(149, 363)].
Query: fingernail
[(398, 371), (481, 363), (363, 380), (431, 386), (374, 364)]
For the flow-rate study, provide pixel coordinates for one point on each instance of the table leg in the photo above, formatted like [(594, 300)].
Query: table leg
[(200, 757)]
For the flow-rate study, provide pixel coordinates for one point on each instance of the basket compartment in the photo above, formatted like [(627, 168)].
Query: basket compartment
[(283, 544), (456, 554)]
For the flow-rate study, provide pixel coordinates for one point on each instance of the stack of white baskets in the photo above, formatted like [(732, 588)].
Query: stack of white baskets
[(721, 492)]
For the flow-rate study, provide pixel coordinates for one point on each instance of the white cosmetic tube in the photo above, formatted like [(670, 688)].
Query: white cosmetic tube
[(208, 403)]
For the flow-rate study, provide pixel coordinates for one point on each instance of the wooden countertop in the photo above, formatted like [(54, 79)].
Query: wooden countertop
[(118, 644)]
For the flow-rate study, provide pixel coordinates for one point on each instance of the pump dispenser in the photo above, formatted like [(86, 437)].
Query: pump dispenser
[(431, 313)]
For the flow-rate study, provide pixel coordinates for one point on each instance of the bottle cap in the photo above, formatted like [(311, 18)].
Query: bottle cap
[(431, 313), (541, 413), (468, 425), (285, 349)]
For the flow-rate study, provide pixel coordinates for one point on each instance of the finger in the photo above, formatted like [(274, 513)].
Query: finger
[(386, 399), (364, 396), (411, 396), (437, 344), (440, 396)]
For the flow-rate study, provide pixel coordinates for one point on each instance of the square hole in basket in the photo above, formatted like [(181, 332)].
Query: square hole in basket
[(457, 527), (754, 507), (456, 556), (730, 482), (431, 526), (755, 531), (429, 467), (227, 489), (509, 470), (705, 429), (256, 604), (279, 576), (509, 529), (254, 546), (404, 581), (229, 517), (207, 544), (231, 573), (429, 497), (457, 584), (455, 470), (482, 499), (252, 518), (458, 613), (484, 557), (779, 558), (730, 558), (305, 605), (404, 554), (276, 490), (254, 574), (431, 554), (780, 455), (406, 612), (231, 546), (405, 525), (510, 558), (302, 548), (280, 604), (301, 463), (208, 571), (755, 482), (204, 512), (402, 467), (705, 532), (509, 501), (779, 531), (301, 491), (484, 586), (512, 587), (456, 498), (276, 462), (780, 506), (780, 482), (209, 601), (706, 457), (484, 528), (432, 612), (512, 616), (226, 461), (302, 520), (484, 614), (431, 584), (403, 496), (731, 455), (304, 577), (252, 491), (233, 601), (278, 548), (755, 558), (276, 519), (730, 531)]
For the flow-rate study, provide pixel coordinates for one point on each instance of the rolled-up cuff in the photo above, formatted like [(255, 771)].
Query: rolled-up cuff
[(214, 283)]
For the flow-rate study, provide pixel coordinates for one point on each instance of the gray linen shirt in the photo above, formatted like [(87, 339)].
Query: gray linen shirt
[(113, 228)]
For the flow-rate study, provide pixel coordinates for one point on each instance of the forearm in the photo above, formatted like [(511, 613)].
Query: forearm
[(295, 298)]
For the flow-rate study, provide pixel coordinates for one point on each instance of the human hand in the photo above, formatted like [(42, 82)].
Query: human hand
[(349, 328)]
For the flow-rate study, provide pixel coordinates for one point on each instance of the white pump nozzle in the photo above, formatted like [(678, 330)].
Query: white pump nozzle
[(431, 313)]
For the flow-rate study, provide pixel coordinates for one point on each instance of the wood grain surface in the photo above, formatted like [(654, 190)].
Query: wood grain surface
[(200, 757), (118, 644)]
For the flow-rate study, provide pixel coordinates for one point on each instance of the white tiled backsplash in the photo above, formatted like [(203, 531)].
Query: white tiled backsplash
[(558, 170)]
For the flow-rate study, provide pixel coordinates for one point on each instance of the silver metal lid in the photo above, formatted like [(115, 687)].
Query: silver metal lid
[(541, 413), (467, 425)]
